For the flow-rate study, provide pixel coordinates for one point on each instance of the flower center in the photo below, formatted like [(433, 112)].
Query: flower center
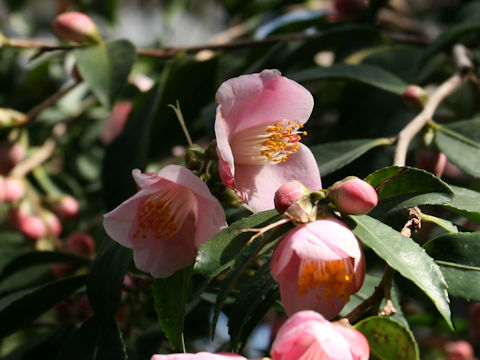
[(334, 278), (163, 213), (269, 144)]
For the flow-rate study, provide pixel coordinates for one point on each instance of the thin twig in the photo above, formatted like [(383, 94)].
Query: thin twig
[(49, 101), (41, 155), (464, 68)]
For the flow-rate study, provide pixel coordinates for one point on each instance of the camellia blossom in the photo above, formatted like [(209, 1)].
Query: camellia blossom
[(258, 127), (166, 221), (318, 265), (199, 356), (307, 335)]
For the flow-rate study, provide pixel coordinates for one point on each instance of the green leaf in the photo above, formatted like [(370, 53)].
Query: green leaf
[(460, 141), (364, 73), (388, 339), (466, 202), (105, 67), (129, 150), (105, 280), (41, 257), (95, 340), (170, 295), (457, 255), (400, 188), (335, 155), (255, 297), (27, 308), (218, 253), (407, 257)]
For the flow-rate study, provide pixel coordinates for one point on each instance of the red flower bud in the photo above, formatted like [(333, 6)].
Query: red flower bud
[(433, 162), (415, 96), (288, 193), (351, 8), (81, 243), (76, 26), (14, 189), (353, 196), (32, 227)]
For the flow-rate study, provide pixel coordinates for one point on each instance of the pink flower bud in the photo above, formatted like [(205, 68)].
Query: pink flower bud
[(14, 189), (61, 270), (32, 227), (415, 96), (459, 350), (288, 193), (81, 243), (114, 124), (54, 226), (433, 162), (307, 335), (76, 26), (66, 207), (318, 266), (353, 196), (18, 212), (351, 8)]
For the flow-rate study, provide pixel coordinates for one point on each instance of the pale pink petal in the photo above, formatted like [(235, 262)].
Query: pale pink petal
[(210, 220), (260, 182), (267, 97), (144, 179), (331, 233), (199, 356), (358, 343)]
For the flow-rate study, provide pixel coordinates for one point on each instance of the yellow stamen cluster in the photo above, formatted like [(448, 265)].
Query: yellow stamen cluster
[(282, 141), (334, 278), (156, 216)]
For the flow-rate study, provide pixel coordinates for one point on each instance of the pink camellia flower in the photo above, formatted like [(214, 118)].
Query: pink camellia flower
[(318, 265), (307, 335), (114, 124), (258, 126), (199, 356), (353, 196), (165, 223), (76, 26)]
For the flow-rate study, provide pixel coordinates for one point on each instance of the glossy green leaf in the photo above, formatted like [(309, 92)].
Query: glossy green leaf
[(95, 340), (105, 67), (105, 280), (218, 253), (388, 339), (405, 256), (466, 202), (170, 296), (41, 257), (457, 255), (460, 141), (34, 303), (335, 155), (255, 297), (364, 73), (400, 188)]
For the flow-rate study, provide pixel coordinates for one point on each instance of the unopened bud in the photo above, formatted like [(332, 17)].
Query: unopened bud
[(351, 8), (81, 243), (14, 189), (432, 161), (54, 226), (32, 227), (66, 206), (353, 196), (77, 27), (415, 97), (10, 117), (459, 350), (114, 124), (18, 212), (288, 193)]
